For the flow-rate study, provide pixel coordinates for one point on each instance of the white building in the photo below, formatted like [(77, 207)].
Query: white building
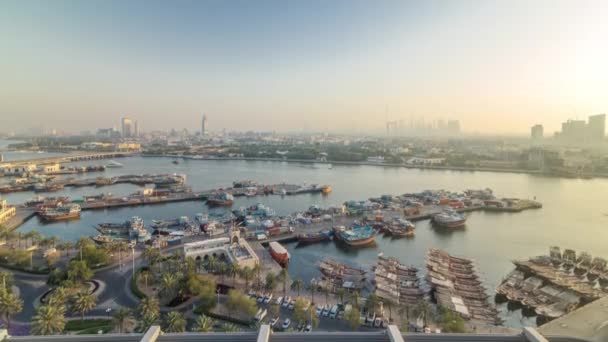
[(231, 249), (425, 161), (6, 211)]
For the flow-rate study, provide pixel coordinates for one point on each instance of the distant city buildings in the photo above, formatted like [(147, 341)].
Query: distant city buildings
[(108, 133), (579, 131), (204, 126), (537, 132), (130, 128)]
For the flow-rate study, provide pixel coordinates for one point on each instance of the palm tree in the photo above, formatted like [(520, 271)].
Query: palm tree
[(283, 275), (83, 302), (371, 303), (7, 280), (58, 297), (174, 322), (423, 309), (9, 305), (145, 274), (48, 320), (312, 288), (123, 320), (203, 324), (257, 269), (247, 274), (152, 256), (354, 298), (340, 293), (35, 236), (149, 309), (211, 264), (230, 327), (168, 284), (326, 292), (234, 270), (404, 309), (297, 285), (190, 265)]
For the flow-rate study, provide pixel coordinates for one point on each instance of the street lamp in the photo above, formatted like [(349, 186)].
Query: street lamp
[(108, 310), (133, 254)]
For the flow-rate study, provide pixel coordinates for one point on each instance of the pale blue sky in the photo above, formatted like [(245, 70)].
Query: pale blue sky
[(498, 66)]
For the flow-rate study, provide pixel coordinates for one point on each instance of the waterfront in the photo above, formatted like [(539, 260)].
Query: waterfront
[(572, 214)]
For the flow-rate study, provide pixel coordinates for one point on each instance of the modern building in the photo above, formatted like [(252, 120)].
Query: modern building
[(129, 127), (231, 249), (204, 126), (596, 127), (6, 211), (537, 132)]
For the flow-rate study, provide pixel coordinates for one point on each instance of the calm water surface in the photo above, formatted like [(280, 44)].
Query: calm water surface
[(573, 216)]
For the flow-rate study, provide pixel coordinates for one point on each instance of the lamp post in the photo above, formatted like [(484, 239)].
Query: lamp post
[(133, 255)]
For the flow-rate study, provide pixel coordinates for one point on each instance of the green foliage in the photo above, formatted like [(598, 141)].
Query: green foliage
[(204, 288), (83, 302), (10, 304), (451, 322), (56, 277), (93, 255), (174, 322), (353, 317), (203, 323), (148, 311), (79, 271), (77, 325), (271, 282), (134, 288), (239, 302), (123, 320), (48, 320)]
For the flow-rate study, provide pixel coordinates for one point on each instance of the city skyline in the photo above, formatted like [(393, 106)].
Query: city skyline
[(302, 66)]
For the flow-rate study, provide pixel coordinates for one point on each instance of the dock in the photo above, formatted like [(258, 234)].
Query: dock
[(68, 158)]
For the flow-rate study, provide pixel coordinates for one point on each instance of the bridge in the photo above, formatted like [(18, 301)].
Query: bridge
[(69, 157)]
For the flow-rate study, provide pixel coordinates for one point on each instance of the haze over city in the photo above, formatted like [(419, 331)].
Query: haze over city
[(498, 67)]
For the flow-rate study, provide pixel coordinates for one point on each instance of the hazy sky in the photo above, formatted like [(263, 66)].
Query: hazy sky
[(498, 66)]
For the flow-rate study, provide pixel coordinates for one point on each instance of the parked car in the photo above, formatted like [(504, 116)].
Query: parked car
[(318, 310), (286, 323), (292, 304), (260, 298), (274, 321), (279, 301), (308, 328), (260, 314), (286, 302), (325, 312), (268, 299), (333, 312), (378, 322)]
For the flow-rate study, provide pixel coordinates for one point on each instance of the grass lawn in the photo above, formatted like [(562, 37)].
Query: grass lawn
[(87, 324)]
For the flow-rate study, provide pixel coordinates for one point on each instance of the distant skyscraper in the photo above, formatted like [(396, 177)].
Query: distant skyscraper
[(135, 129), (537, 132), (453, 127), (204, 125), (127, 127), (596, 128)]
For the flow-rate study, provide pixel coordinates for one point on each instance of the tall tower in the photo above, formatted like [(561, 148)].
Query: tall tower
[(127, 127), (204, 125)]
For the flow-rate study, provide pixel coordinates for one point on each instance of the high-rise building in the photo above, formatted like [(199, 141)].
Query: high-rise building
[(596, 128), (135, 129), (204, 126), (127, 127), (453, 127), (537, 132)]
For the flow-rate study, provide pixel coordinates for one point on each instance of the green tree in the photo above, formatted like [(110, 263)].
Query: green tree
[(145, 274), (371, 302), (326, 292), (148, 311), (283, 277), (234, 270), (257, 269), (300, 312), (247, 274), (83, 302), (168, 285), (204, 288), (271, 282), (355, 297), (48, 320), (9, 304), (230, 327), (423, 310), (79, 272), (58, 297), (451, 322), (212, 264), (174, 322), (312, 288), (238, 302), (203, 324), (340, 293), (123, 320), (153, 257), (6, 280), (297, 285), (353, 317)]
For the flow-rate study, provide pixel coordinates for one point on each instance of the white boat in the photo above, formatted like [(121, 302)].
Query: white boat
[(114, 164)]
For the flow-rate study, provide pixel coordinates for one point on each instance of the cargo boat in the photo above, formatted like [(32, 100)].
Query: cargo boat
[(60, 213), (449, 219), (323, 235), (401, 228), (357, 236), (221, 200), (279, 253)]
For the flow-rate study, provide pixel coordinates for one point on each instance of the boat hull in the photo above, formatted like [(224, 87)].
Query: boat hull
[(56, 218), (280, 257), (451, 224), (360, 242), (219, 203)]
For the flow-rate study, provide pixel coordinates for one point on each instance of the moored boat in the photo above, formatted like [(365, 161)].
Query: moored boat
[(323, 235), (223, 199), (357, 236), (279, 253), (449, 219), (60, 213)]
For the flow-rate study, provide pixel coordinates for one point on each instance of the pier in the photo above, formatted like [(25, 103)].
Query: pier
[(68, 158)]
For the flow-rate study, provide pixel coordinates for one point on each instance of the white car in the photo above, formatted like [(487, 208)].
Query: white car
[(308, 328), (286, 323), (279, 301), (318, 310), (325, 312), (274, 321), (286, 302)]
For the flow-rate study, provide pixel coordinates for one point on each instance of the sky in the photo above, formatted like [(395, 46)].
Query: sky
[(334, 65)]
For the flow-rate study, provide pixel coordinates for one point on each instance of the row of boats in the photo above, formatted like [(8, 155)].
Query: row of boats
[(397, 282), (553, 285), (456, 286)]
